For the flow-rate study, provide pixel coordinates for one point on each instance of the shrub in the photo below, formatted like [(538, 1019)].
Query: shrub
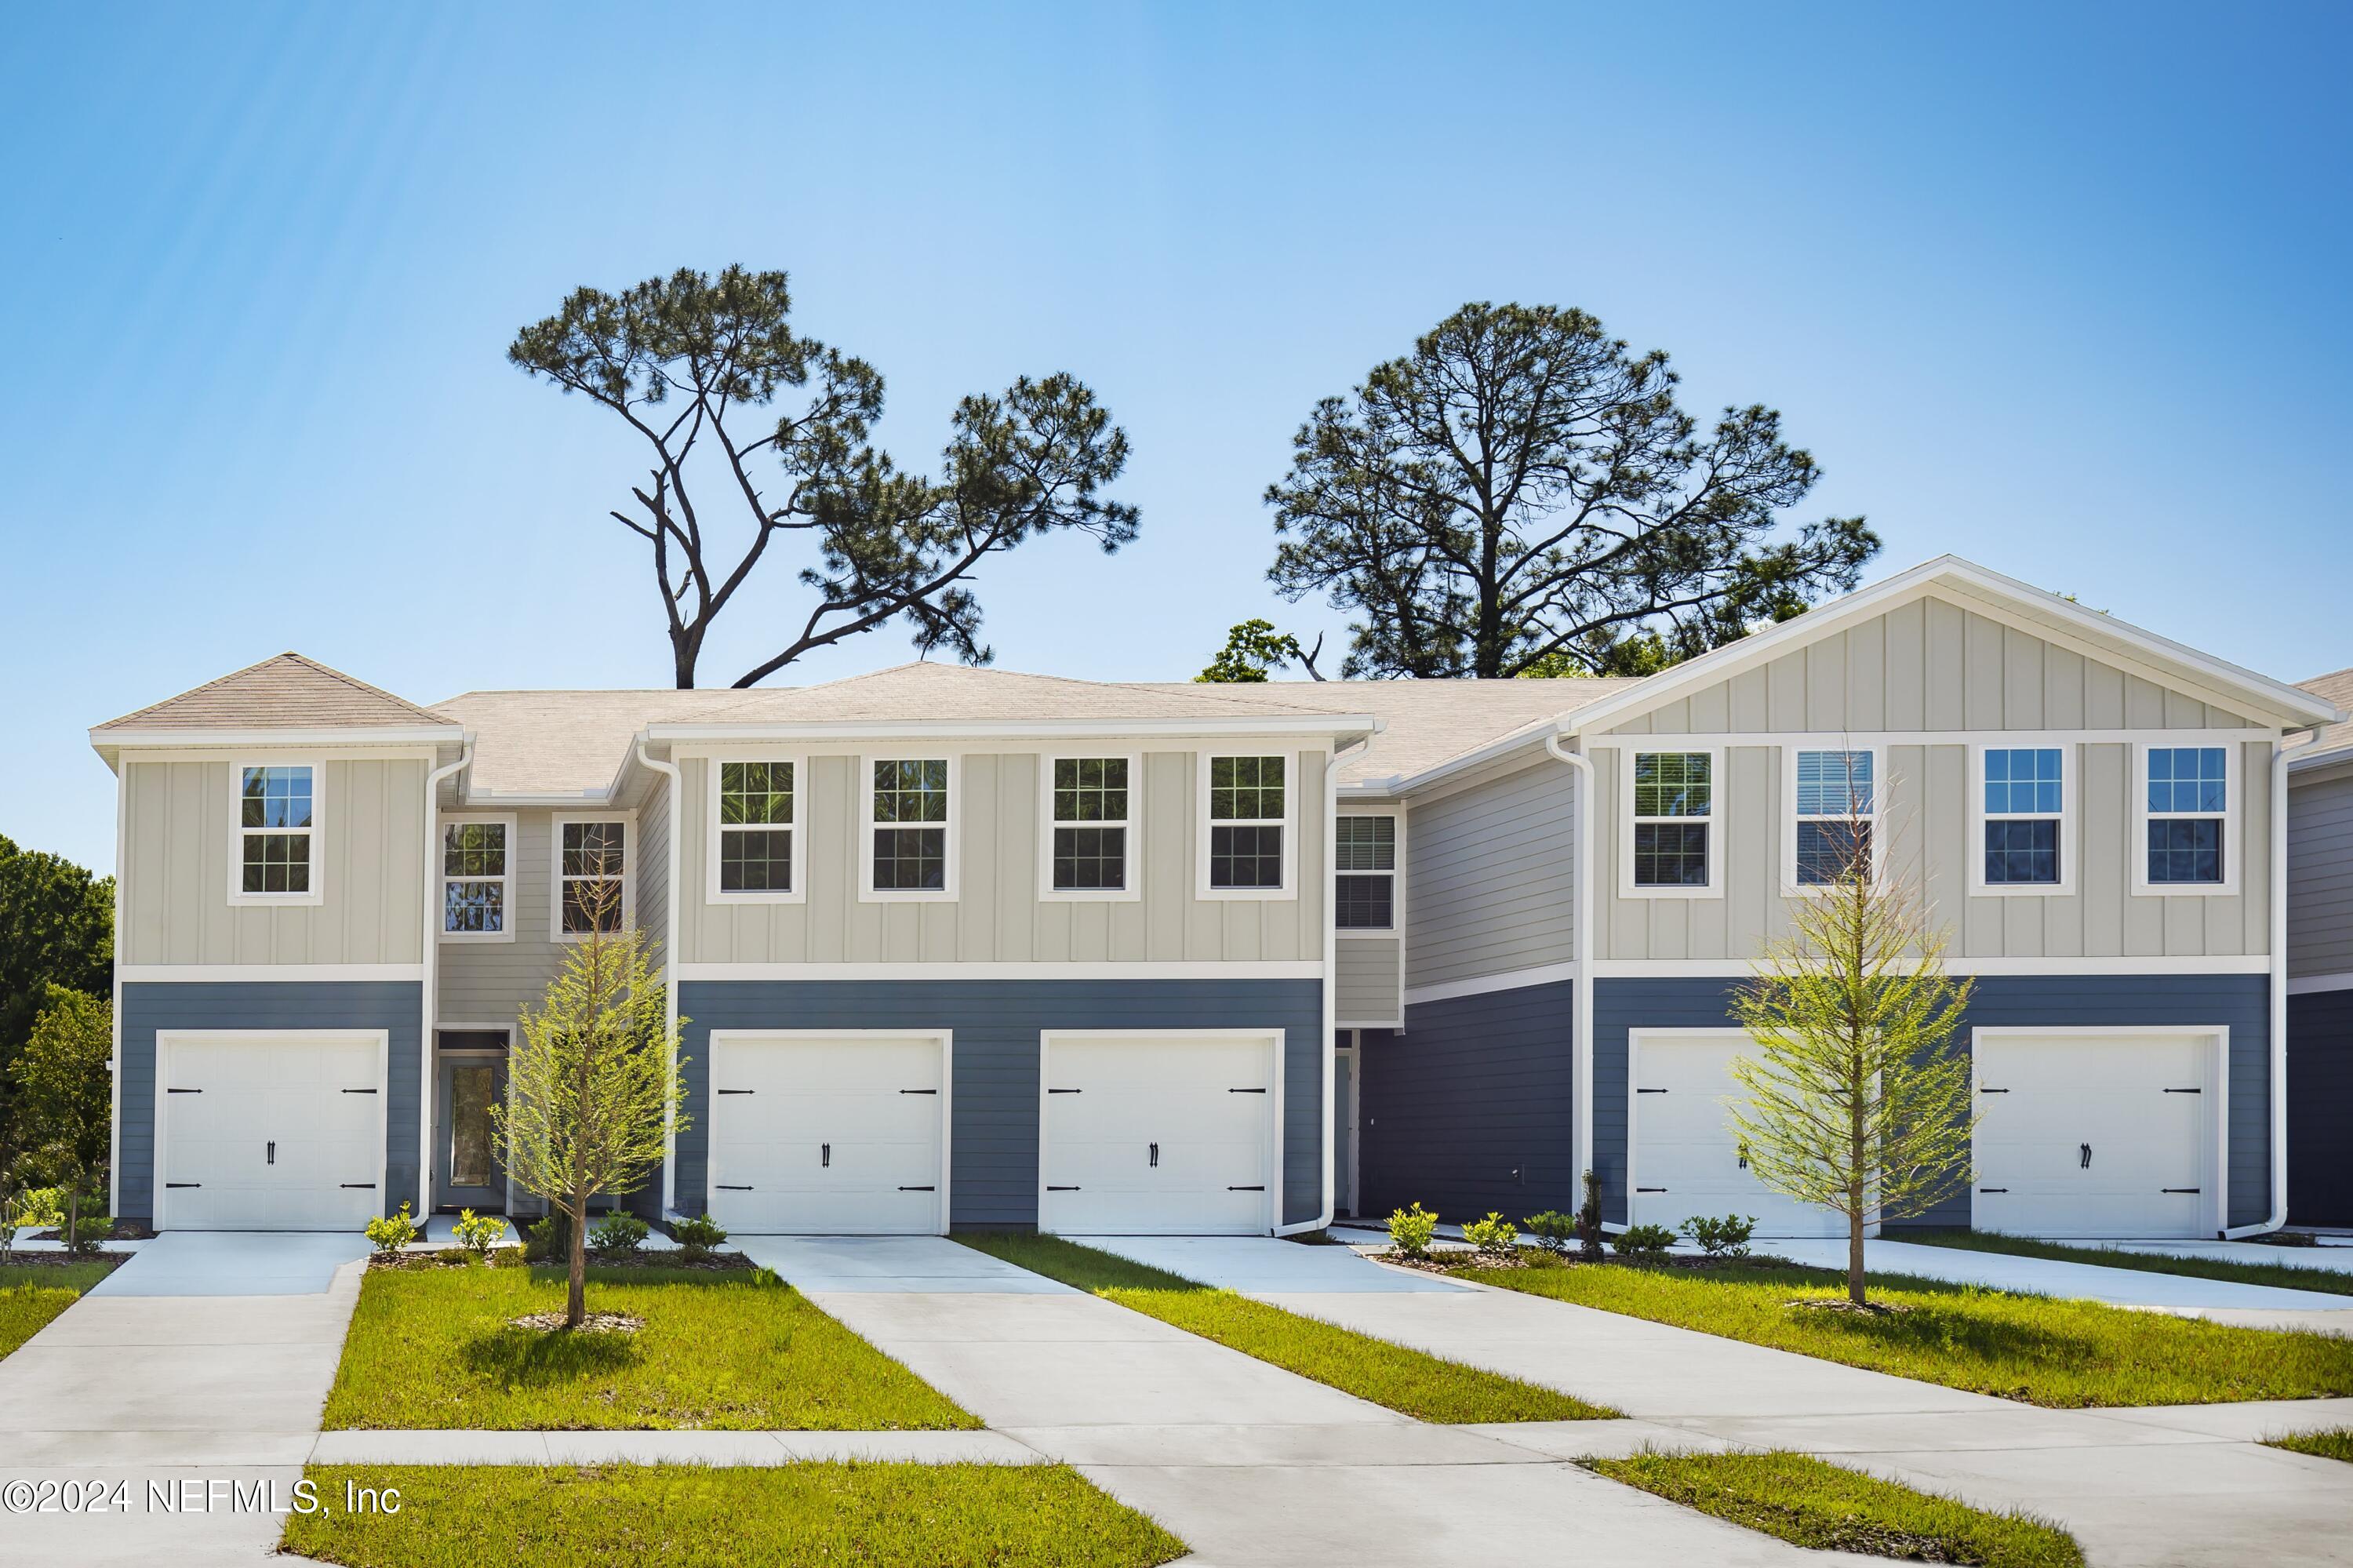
[(1495, 1235), (92, 1233), (1644, 1243), (617, 1235), (1553, 1230), (1726, 1237), (478, 1234), (697, 1235), (44, 1207), (390, 1232), (1589, 1221), (1410, 1229), (549, 1238)]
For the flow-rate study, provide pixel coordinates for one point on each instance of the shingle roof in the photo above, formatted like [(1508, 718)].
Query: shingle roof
[(288, 691), (951, 692), (2336, 688), (564, 742)]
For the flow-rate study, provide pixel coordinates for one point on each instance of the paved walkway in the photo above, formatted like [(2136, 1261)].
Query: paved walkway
[(1250, 1463)]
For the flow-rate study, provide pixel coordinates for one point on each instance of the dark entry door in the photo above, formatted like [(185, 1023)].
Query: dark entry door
[(466, 1173)]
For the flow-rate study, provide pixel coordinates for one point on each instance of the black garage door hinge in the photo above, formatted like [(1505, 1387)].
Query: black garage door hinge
[(1649, 1189), (1245, 1091), (1993, 1189), (368, 1186), (919, 1091), (725, 1188), (735, 1091), (1993, 1091), (2185, 1091), (359, 1091), (1258, 1189), (918, 1189), (2177, 1189), (184, 1091), (1650, 1091), (1064, 1091), (1051, 1188), (170, 1184)]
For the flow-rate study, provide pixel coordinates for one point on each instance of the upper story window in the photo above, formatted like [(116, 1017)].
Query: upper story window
[(1089, 802), (1249, 818), (592, 888), (477, 877), (908, 811), (1837, 804), (1672, 822), (1364, 858), (2188, 808), (2024, 802), (756, 818), (277, 834)]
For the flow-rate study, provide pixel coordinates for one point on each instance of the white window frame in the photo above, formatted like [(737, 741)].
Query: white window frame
[(1133, 823), (1289, 822), (629, 878), (1790, 819), (509, 913), (2234, 817), (713, 893), (953, 839), (1396, 873), (316, 832), (1667, 746), (2071, 768)]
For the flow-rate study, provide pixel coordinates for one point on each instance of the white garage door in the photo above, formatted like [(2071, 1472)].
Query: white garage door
[(1686, 1159), (271, 1132), (831, 1135), (1158, 1135), (2096, 1135)]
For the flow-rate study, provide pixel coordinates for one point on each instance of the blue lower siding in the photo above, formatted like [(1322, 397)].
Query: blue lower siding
[(1469, 1108), (993, 1179), (2320, 1108), (393, 1006)]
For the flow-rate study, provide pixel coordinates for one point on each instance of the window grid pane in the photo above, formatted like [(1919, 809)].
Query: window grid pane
[(911, 859), (1245, 856), (1834, 783), (592, 849), (1366, 843), (474, 850), (755, 793), (1671, 854), (1090, 859), (275, 798), (2185, 849), (2023, 781), (592, 857), (2187, 779), (1246, 789), (1672, 784), (1091, 790), (473, 908), (1829, 851), (755, 860), (1365, 903), (277, 862), (911, 791), (2021, 851)]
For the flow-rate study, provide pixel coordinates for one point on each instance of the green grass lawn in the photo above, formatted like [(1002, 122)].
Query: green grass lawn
[(31, 1294), (1413, 1383), (627, 1516), (1811, 1502), (2336, 1443), (2330, 1281), (2067, 1354), (737, 1351)]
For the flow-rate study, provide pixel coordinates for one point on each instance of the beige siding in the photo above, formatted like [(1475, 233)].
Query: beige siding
[(1365, 982), (1491, 875), (179, 817), (649, 867), (490, 982), (996, 916), (2320, 877)]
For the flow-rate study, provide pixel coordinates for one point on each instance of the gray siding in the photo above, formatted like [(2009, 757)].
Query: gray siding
[(2320, 1108), (992, 1176), (651, 868), (2320, 877), (491, 982), (1491, 878), (1365, 980), (2239, 1002), (1469, 1108), (392, 1006)]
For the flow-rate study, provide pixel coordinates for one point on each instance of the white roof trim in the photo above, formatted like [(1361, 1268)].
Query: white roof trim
[(2104, 636), (104, 740), (1298, 722)]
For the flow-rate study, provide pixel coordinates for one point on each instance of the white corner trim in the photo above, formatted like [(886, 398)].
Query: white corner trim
[(1212, 969), (1131, 826), (2311, 985), (1509, 980), (184, 974)]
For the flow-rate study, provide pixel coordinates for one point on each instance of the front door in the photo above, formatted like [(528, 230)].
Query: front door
[(466, 1173)]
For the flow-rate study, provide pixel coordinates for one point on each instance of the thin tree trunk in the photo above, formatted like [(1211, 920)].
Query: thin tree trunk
[(73, 1214), (575, 1300)]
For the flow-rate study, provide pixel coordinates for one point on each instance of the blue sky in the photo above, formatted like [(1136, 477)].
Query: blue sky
[(2060, 289)]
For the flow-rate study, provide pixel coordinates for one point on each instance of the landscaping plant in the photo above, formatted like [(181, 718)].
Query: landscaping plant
[(1857, 1098), (1589, 1221), (1553, 1230), (1495, 1236), (1726, 1237), (617, 1235), (478, 1234), (593, 1085), (392, 1232), (696, 1235), (1644, 1243), (64, 1098), (546, 1239), (1411, 1230)]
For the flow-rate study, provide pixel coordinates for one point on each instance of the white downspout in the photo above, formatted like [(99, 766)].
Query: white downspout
[(1331, 982), (2278, 931), (1580, 1044), (432, 970), (670, 967)]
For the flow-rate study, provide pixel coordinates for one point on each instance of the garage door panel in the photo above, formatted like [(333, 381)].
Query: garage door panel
[(834, 1135), (1687, 1158), (2109, 1136), (271, 1133), (1158, 1135)]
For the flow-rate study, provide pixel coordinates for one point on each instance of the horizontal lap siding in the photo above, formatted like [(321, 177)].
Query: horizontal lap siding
[(492, 982), (2320, 879), (1468, 1108), (1366, 980), (393, 1006), (2320, 1108), (1491, 878), (993, 1177)]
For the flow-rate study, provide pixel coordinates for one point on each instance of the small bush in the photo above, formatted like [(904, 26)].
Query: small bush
[(1410, 1229), (1589, 1221), (1553, 1230), (41, 1207), (549, 1238), (697, 1235), (617, 1235), (390, 1232), (478, 1234), (1495, 1235), (1644, 1243), (1726, 1237), (92, 1233)]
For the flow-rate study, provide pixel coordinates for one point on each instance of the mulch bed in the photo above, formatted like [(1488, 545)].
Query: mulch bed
[(511, 1257), (60, 1259), (590, 1323), (1528, 1257), (124, 1230)]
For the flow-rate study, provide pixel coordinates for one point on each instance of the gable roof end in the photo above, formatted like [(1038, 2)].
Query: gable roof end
[(285, 692)]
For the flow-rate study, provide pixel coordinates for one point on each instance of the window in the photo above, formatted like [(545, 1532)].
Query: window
[(277, 829), (1673, 818), (755, 822), (477, 877), (2189, 801), (2024, 801), (1836, 799), (1089, 800), (1364, 856), (910, 805), (1248, 817), (592, 889)]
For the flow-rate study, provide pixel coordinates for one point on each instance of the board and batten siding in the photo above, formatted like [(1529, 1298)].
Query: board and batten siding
[(996, 916), (1491, 877), (2321, 877), (178, 818)]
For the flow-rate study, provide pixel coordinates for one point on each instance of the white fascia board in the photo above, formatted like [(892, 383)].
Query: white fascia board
[(104, 740), (1023, 729)]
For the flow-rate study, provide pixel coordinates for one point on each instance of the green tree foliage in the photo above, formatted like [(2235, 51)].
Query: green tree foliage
[(1857, 1098), (593, 1082), (66, 1095), (1253, 650), (57, 927), (693, 365), (1522, 489)]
